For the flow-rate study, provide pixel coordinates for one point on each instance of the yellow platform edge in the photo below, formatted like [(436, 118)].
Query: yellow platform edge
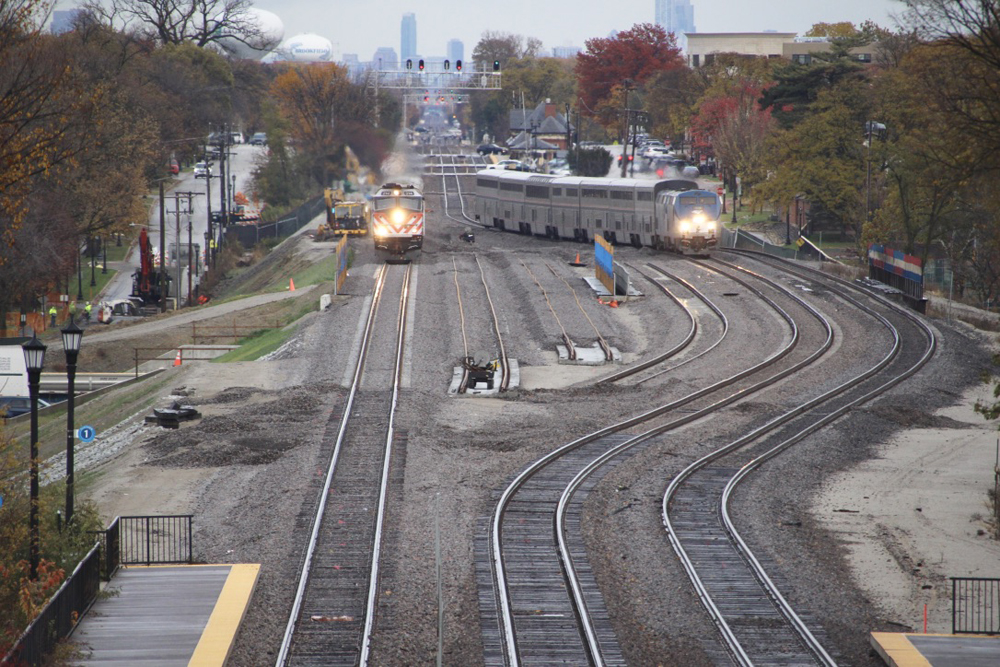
[(897, 651), (220, 632)]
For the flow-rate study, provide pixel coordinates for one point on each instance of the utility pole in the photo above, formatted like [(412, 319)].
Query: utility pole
[(208, 233), (163, 266), (177, 217)]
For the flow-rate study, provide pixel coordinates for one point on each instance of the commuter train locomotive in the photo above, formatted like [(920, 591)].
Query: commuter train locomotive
[(669, 214), (397, 212)]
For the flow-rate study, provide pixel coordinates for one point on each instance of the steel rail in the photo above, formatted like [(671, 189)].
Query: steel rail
[(503, 359), (565, 500), (608, 356), (286, 641), (571, 349), (500, 585), (806, 636), (397, 375)]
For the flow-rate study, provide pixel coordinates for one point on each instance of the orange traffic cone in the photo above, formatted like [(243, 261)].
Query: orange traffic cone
[(291, 285), (577, 262), (177, 359)]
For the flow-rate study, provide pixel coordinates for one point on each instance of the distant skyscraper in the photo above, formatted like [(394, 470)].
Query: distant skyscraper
[(456, 50), (385, 58), (408, 37), (565, 51), (676, 16), (62, 20)]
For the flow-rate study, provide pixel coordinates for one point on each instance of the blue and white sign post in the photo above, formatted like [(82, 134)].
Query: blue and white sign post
[(86, 433)]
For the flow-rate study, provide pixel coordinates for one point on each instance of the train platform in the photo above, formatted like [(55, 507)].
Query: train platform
[(916, 650), (165, 616)]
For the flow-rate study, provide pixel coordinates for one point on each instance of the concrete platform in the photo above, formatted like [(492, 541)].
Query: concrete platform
[(917, 650), (166, 616), (588, 356)]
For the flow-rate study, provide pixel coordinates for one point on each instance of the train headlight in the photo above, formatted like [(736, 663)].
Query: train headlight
[(398, 216), (685, 227), (378, 229), (698, 219)]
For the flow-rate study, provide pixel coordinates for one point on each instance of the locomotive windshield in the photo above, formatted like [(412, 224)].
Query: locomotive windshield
[(387, 203), (690, 203)]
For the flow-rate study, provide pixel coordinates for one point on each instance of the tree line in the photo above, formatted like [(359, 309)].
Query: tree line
[(91, 118)]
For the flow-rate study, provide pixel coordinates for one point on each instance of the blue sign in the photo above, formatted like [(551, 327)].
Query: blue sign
[(86, 433)]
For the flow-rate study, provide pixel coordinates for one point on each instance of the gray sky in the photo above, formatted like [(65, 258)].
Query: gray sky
[(361, 26)]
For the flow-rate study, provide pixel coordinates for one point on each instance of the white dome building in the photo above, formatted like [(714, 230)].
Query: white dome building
[(272, 31), (306, 48)]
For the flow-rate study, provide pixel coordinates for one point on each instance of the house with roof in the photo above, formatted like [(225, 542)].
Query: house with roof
[(543, 128)]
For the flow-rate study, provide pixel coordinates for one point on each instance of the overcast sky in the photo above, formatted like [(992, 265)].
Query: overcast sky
[(361, 26)]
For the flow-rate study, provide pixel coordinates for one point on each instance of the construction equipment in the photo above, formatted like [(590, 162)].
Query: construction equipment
[(343, 216), (146, 280)]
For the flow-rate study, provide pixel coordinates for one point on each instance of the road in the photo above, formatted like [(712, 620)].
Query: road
[(178, 221)]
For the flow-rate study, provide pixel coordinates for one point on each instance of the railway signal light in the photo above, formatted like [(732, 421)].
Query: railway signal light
[(458, 65), (420, 65), (496, 65), (427, 98), (409, 64), (447, 65)]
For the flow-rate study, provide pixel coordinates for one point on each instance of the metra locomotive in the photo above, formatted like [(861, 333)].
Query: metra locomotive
[(669, 214), (398, 218)]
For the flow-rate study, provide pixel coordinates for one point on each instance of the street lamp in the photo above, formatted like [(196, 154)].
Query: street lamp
[(34, 359), (876, 129), (72, 335)]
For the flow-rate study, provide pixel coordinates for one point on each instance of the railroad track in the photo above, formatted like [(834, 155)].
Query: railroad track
[(542, 598), (333, 613), (501, 349), (754, 619)]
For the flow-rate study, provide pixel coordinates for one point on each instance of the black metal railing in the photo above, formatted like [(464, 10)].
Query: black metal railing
[(975, 606), (110, 549), (148, 540), (60, 614)]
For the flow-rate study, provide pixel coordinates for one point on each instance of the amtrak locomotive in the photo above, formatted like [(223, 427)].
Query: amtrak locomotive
[(669, 214)]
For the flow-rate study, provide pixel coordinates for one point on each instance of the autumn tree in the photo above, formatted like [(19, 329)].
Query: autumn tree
[(40, 105), (626, 60), (823, 159), (503, 47)]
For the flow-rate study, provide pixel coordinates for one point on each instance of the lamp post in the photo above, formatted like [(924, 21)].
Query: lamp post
[(104, 251), (72, 335), (79, 272), (93, 262), (34, 359), (876, 129)]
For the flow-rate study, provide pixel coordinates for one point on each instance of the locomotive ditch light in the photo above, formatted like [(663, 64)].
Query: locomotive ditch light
[(685, 227)]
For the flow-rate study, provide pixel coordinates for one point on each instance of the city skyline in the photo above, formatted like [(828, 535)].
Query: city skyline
[(676, 16), (353, 26), (408, 36)]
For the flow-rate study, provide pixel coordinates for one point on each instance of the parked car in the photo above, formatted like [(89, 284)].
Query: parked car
[(202, 170), (259, 139), (236, 137), (173, 167), (491, 149)]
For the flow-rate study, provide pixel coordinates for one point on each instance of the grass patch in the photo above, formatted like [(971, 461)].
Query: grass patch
[(311, 274), (258, 344)]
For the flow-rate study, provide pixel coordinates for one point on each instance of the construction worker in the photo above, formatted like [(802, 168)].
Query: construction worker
[(52, 315), (72, 311), (86, 311)]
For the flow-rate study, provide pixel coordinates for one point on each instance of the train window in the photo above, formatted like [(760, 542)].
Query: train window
[(536, 191), (644, 196), (571, 192), (593, 193), (485, 183), (557, 192), (512, 187), (618, 194), (618, 224)]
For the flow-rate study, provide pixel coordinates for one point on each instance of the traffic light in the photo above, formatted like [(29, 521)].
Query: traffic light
[(409, 64), (496, 65), (420, 65), (447, 65), (458, 65), (427, 98)]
